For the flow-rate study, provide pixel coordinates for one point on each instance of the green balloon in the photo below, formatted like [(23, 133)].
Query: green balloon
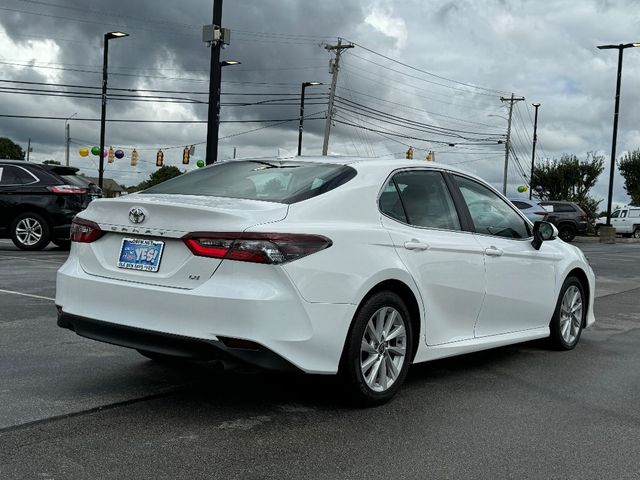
[(95, 151), (522, 188), (200, 163)]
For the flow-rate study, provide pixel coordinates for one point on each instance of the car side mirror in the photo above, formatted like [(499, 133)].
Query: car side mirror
[(542, 232)]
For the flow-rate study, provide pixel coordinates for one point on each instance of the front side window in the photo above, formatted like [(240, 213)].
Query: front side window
[(420, 198), (615, 214), (490, 214), (271, 181)]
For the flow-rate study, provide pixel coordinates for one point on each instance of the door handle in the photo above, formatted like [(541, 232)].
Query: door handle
[(493, 251), (416, 245)]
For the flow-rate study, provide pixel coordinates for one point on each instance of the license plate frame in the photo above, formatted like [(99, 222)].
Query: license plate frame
[(130, 259)]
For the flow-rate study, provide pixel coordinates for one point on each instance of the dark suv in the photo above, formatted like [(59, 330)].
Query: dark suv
[(568, 217), (38, 202)]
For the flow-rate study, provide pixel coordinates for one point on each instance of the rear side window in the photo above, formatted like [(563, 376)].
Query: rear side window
[(420, 198), (11, 175), (521, 205), (271, 181), (562, 207), (634, 212)]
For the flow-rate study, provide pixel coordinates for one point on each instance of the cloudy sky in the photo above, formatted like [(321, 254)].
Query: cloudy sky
[(422, 73)]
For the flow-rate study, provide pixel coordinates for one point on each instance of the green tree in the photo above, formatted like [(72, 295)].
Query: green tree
[(11, 150), (570, 179), (159, 176), (629, 167)]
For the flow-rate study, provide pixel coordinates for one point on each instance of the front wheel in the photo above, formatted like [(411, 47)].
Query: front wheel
[(378, 349), (569, 316), (29, 231)]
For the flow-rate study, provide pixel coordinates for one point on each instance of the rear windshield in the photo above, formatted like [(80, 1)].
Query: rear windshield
[(271, 181)]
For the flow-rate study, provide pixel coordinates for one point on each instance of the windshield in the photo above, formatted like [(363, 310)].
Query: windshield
[(271, 181)]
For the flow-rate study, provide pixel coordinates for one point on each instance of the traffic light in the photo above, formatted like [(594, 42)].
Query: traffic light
[(159, 158), (409, 153), (186, 153)]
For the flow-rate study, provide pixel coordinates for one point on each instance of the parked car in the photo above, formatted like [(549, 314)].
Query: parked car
[(568, 217), (625, 220), (37, 203), (356, 267), (531, 209)]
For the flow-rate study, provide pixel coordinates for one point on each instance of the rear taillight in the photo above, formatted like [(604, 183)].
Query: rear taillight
[(583, 217), (540, 213), (84, 231), (66, 189), (271, 248)]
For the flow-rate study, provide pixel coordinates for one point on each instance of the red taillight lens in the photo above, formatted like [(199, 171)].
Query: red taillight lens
[(271, 248), (583, 217), (540, 213), (66, 189), (84, 231)]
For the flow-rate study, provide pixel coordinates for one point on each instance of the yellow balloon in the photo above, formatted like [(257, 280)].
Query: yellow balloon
[(84, 152)]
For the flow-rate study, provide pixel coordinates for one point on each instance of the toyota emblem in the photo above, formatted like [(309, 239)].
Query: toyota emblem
[(136, 215)]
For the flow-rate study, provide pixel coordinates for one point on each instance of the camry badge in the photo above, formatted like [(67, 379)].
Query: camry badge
[(136, 215)]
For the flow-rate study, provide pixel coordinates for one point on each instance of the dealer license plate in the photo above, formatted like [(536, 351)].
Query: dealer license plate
[(140, 254)]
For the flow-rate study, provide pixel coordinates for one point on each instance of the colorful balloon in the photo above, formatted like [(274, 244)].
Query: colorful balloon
[(119, 154), (200, 163), (105, 153), (539, 189), (522, 188), (84, 151), (95, 151)]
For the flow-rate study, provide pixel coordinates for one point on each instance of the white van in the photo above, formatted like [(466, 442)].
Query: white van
[(625, 220)]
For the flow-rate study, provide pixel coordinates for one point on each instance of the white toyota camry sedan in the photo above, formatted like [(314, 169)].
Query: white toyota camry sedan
[(356, 267)]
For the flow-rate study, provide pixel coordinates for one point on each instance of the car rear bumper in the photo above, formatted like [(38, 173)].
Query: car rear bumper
[(257, 303), (174, 345)]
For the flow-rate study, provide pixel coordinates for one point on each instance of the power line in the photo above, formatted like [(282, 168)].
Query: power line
[(121, 120), (493, 91)]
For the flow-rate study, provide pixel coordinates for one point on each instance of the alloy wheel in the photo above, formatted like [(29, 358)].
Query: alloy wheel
[(571, 314), (636, 233), (383, 349), (29, 231)]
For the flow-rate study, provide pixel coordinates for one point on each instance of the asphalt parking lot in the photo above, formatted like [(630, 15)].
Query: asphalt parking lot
[(72, 408)]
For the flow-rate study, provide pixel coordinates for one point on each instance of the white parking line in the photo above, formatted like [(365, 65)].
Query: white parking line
[(27, 295)]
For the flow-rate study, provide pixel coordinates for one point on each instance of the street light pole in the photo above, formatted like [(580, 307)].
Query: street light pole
[(533, 152), (103, 114), (304, 86), (620, 48), (67, 139)]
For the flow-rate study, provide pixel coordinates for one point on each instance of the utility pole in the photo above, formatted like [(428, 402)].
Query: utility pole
[(511, 101), (335, 67), (215, 77), (66, 144), (28, 148), (533, 152)]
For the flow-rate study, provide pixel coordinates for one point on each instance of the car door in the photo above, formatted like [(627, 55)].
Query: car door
[(621, 222), (446, 262), (520, 280)]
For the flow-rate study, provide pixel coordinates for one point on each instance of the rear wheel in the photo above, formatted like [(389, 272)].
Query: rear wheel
[(636, 232), (567, 232), (30, 231), (378, 350), (569, 316)]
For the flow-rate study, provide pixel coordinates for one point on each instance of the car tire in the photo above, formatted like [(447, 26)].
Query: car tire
[(636, 232), (30, 231), (569, 315), (63, 244), (378, 350), (161, 357), (567, 232)]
